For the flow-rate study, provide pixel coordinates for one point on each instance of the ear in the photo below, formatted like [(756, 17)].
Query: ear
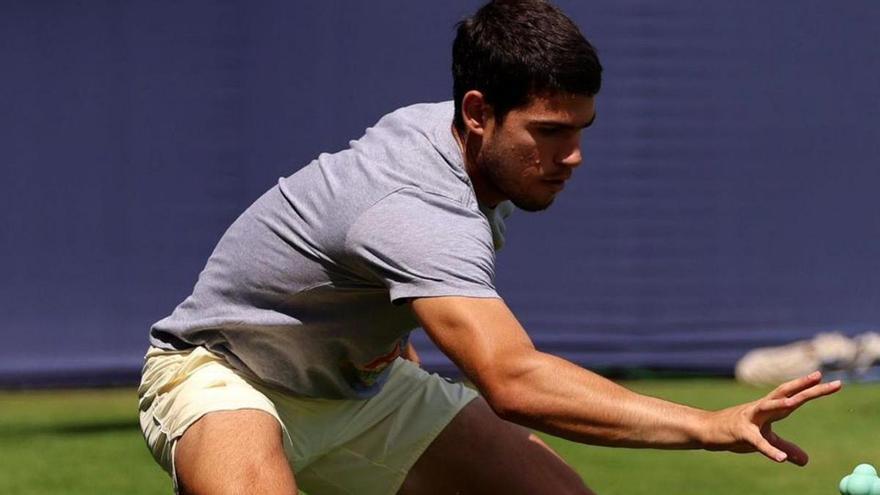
[(475, 112)]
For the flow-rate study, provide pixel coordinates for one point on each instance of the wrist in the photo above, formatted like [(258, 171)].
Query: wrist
[(704, 430)]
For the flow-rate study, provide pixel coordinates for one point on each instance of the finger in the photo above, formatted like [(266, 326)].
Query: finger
[(814, 392), (773, 405), (792, 403), (788, 389), (766, 448), (796, 455)]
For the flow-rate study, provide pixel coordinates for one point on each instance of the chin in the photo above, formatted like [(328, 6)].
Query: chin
[(532, 204)]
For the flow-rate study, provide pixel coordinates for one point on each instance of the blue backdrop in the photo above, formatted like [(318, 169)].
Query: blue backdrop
[(728, 197)]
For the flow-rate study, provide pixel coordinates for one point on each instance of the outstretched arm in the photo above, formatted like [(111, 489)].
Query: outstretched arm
[(550, 394)]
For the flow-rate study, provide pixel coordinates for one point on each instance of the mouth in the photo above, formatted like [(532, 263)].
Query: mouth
[(558, 178), (556, 184)]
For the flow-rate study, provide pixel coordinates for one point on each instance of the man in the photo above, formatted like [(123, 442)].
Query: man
[(282, 370)]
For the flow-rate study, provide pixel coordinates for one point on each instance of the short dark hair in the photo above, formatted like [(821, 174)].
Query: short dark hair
[(511, 50)]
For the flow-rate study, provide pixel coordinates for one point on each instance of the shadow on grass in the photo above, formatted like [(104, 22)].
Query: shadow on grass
[(69, 429)]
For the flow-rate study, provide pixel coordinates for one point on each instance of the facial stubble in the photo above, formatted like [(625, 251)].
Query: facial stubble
[(504, 175)]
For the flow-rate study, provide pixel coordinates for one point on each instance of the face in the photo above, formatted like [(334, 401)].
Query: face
[(529, 156)]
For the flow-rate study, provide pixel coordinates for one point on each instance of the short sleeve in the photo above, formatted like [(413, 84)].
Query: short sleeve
[(423, 245)]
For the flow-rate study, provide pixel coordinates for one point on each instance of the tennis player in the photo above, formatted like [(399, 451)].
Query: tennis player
[(289, 366)]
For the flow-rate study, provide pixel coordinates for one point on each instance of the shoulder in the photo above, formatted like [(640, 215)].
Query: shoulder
[(419, 115), (414, 147), (412, 215), (424, 205), (419, 131), (423, 244)]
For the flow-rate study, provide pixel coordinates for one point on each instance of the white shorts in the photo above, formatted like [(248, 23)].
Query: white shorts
[(362, 447)]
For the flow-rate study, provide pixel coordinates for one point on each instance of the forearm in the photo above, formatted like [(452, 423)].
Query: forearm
[(550, 394)]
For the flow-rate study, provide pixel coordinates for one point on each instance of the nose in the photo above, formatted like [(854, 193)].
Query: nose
[(571, 156)]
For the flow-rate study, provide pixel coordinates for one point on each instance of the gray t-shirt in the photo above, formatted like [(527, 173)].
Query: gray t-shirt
[(305, 290)]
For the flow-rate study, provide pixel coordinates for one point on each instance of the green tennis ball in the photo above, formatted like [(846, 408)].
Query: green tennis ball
[(862, 481), (865, 469), (859, 485)]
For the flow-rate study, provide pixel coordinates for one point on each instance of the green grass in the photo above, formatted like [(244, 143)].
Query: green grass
[(838, 432), (88, 442), (75, 442)]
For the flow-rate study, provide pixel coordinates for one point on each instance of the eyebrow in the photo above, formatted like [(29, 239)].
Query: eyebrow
[(564, 125)]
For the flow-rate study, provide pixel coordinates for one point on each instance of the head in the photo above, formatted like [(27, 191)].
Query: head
[(524, 85)]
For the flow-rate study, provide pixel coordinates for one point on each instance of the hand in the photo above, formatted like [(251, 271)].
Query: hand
[(747, 427), (411, 355)]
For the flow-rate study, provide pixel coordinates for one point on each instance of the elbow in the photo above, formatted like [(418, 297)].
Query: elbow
[(503, 401), (511, 385), (509, 398)]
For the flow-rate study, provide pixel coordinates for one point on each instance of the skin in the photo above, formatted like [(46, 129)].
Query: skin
[(410, 354), (456, 461), (526, 159), (530, 155), (541, 391), (233, 452)]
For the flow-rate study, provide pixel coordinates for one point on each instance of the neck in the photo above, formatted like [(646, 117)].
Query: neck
[(469, 144)]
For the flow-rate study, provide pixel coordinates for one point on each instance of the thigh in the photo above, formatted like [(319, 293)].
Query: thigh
[(208, 427), (367, 447), (480, 453), (233, 452)]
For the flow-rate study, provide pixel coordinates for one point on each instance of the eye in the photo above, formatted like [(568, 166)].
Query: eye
[(550, 131)]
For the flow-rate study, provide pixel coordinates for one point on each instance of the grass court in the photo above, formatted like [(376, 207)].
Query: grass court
[(82, 442)]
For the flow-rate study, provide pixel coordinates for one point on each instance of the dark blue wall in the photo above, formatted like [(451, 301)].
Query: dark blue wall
[(727, 200)]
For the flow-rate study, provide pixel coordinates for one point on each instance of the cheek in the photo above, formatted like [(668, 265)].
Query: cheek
[(521, 156), (547, 153), (528, 158)]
